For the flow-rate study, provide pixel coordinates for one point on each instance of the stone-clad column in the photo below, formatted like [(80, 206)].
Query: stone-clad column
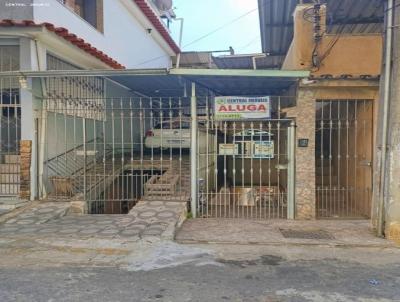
[(25, 166), (305, 156)]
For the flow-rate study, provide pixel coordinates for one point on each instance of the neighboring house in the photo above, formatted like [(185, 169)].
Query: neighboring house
[(340, 43), (49, 35)]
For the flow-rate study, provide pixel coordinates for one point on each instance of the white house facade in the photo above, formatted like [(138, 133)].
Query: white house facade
[(38, 35)]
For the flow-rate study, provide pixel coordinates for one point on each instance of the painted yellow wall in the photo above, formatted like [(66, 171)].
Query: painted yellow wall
[(352, 54)]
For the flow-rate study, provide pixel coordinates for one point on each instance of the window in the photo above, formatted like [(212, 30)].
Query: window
[(173, 125), (9, 57), (90, 10), (10, 103), (55, 63)]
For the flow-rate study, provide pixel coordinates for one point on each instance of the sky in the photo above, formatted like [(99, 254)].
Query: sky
[(204, 16)]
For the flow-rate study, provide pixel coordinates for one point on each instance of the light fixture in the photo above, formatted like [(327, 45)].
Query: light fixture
[(23, 82)]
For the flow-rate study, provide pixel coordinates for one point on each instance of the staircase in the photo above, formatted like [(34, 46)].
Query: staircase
[(69, 171), (172, 185), (9, 175)]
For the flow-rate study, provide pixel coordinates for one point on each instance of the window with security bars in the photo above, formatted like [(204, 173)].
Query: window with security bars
[(10, 115)]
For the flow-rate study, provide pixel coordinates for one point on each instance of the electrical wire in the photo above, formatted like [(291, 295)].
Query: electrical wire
[(332, 43), (249, 43), (220, 27), (151, 60), (202, 37)]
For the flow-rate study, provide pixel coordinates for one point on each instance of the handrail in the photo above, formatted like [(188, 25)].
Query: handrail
[(73, 149), (77, 167)]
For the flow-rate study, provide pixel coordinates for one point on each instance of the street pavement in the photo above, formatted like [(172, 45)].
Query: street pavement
[(47, 255), (167, 271)]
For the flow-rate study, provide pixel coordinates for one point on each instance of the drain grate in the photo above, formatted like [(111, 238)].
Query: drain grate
[(306, 234)]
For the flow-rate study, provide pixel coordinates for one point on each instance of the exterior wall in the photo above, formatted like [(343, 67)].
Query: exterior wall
[(305, 156), (304, 114), (31, 58), (392, 208), (351, 54), (124, 38)]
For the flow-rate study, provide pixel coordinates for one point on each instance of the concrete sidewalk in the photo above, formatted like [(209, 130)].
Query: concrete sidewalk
[(356, 233), (148, 220)]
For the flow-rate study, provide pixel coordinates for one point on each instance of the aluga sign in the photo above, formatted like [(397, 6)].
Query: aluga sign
[(239, 108)]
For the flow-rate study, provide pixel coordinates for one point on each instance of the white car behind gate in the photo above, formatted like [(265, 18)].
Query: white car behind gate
[(173, 134)]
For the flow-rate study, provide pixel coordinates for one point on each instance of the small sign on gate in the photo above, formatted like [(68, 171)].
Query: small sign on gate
[(228, 149), (264, 149), (240, 108)]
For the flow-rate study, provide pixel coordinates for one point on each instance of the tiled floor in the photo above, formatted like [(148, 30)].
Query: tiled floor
[(148, 219)]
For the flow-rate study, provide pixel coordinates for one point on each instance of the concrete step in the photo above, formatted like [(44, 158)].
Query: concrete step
[(9, 189), (12, 159), (9, 168), (10, 178), (11, 204)]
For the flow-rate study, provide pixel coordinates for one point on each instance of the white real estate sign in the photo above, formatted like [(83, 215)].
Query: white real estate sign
[(228, 149), (241, 108)]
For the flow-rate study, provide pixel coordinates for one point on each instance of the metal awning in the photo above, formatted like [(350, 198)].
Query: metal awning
[(170, 83)]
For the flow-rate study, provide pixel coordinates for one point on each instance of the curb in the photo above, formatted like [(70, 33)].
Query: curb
[(314, 244)]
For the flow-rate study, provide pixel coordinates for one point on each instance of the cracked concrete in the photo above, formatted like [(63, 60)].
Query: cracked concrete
[(126, 258), (112, 270)]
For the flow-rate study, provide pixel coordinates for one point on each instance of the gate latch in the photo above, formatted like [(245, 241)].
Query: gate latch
[(367, 163)]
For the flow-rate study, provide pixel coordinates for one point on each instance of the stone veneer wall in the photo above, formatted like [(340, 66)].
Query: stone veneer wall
[(305, 156), (26, 156)]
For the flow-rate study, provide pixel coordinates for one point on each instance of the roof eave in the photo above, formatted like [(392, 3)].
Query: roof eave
[(242, 72)]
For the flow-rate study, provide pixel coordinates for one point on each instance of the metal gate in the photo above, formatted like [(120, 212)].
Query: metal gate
[(114, 152), (10, 122), (245, 169), (344, 158)]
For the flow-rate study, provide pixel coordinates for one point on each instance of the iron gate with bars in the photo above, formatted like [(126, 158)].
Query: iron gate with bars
[(344, 134), (10, 122), (246, 168), (114, 152)]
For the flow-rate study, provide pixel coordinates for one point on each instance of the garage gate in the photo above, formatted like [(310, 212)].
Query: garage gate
[(243, 168), (246, 168), (114, 152)]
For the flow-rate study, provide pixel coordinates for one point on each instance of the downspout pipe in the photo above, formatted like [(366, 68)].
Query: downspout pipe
[(193, 152), (43, 128), (385, 120)]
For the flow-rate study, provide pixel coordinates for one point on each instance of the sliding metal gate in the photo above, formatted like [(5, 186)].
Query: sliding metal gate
[(246, 168), (344, 158)]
